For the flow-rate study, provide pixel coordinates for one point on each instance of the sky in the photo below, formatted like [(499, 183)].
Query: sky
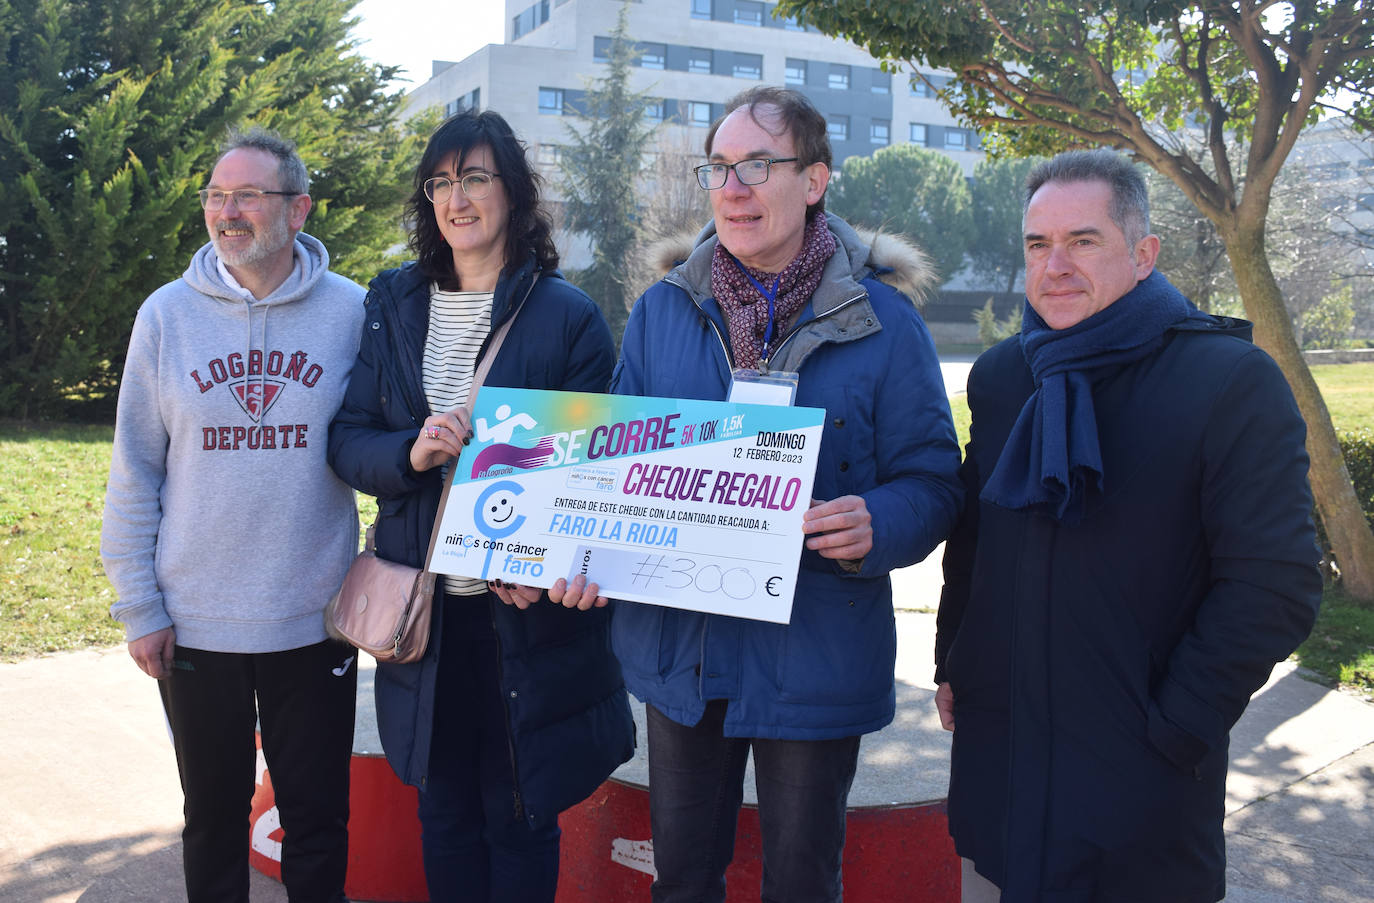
[(408, 33)]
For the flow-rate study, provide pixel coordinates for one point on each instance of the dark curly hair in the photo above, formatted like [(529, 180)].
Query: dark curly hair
[(529, 229)]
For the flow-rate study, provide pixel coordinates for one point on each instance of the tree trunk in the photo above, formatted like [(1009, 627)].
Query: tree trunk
[(1352, 542)]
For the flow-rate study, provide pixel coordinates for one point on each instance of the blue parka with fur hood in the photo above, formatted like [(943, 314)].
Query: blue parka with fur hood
[(568, 716), (864, 355)]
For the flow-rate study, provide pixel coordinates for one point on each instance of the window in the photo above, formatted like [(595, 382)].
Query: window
[(839, 77), (701, 9), (698, 113), (796, 72), (748, 12), (529, 19), (654, 111), (882, 82), (918, 134), (791, 24), (837, 127), (551, 101), (469, 101), (956, 139), (748, 65), (652, 55), (880, 131), (601, 49), (919, 88), (548, 154), (699, 60)]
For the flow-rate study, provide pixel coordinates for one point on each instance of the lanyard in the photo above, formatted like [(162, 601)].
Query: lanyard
[(772, 296)]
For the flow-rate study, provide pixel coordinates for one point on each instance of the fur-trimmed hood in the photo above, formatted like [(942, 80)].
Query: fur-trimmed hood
[(889, 258)]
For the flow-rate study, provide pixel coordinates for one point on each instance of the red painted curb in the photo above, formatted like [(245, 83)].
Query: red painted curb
[(892, 853), (384, 861)]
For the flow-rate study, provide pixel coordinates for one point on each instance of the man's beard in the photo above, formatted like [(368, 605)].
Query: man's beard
[(264, 244)]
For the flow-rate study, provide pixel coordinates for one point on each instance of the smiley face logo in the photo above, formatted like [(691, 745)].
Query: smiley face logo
[(500, 509), (495, 511)]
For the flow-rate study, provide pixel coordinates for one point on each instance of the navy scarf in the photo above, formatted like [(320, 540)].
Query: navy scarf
[(1051, 462)]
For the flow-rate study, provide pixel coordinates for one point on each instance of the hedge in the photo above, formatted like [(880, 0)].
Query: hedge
[(1358, 449)]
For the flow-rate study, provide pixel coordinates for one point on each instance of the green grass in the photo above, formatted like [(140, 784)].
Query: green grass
[(958, 406), (1341, 647), (1349, 393), (53, 592)]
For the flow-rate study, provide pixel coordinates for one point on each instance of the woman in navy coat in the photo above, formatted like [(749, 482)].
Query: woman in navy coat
[(516, 712)]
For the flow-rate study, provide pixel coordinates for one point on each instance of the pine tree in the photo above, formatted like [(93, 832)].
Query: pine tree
[(111, 112), (601, 168)]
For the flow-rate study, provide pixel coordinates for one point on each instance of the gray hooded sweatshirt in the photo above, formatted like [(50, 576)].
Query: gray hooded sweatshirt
[(222, 518)]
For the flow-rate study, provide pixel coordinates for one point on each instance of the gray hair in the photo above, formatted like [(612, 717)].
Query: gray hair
[(1130, 206), (290, 170)]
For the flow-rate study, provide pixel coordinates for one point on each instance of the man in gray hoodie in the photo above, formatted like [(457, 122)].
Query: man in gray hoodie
[(225, 532)]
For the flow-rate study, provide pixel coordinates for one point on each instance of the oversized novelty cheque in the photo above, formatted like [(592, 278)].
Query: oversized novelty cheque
[(690, 504)]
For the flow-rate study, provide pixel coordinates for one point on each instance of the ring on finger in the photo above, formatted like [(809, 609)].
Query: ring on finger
[(432, 432)]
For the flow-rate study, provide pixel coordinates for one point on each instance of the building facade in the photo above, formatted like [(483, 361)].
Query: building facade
[(694, 55)]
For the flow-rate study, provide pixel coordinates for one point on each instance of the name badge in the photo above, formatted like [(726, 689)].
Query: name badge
[(776, 387)]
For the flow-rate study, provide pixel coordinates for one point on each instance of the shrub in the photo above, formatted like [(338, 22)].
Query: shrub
[(1330, 323), (991, 330), (1358, 449)]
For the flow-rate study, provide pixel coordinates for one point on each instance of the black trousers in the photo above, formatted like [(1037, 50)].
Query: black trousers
[(304, 700), (696, 785)]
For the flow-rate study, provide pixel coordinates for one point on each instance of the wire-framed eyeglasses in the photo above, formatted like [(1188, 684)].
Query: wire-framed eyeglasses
[(749, 172), (247, 200), (476, 185)]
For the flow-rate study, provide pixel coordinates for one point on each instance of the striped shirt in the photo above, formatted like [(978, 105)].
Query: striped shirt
[(459, 323)]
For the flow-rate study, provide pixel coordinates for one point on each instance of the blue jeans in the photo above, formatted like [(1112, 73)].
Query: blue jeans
[(696, 785), (476, 849)]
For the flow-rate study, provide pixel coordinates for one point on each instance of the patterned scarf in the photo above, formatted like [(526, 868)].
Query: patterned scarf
[(746, 309)]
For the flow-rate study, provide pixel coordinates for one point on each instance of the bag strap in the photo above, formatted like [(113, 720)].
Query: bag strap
[(478, 377)]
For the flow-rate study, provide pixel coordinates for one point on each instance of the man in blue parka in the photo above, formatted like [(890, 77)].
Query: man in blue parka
[(773, 284), (1136, 553)]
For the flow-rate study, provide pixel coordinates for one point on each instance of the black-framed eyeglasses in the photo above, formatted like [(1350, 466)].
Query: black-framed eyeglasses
[(246, 199), (749, 172), (476, 185)]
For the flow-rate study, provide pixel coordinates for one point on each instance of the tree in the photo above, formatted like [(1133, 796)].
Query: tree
[(1177, 85), (110, 117), (998, 184), (674, 207), (601, 167), (1190, 251), (920, 193)]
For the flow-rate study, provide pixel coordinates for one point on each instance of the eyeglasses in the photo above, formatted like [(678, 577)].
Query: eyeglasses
[(749, 172), (476, 185), (246, 199)]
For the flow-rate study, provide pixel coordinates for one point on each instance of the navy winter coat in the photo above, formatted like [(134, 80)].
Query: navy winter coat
[(1097, 669), (569, 716), (865, 356)]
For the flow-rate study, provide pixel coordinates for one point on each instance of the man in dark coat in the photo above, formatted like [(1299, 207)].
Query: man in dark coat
[(1135, 555)]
